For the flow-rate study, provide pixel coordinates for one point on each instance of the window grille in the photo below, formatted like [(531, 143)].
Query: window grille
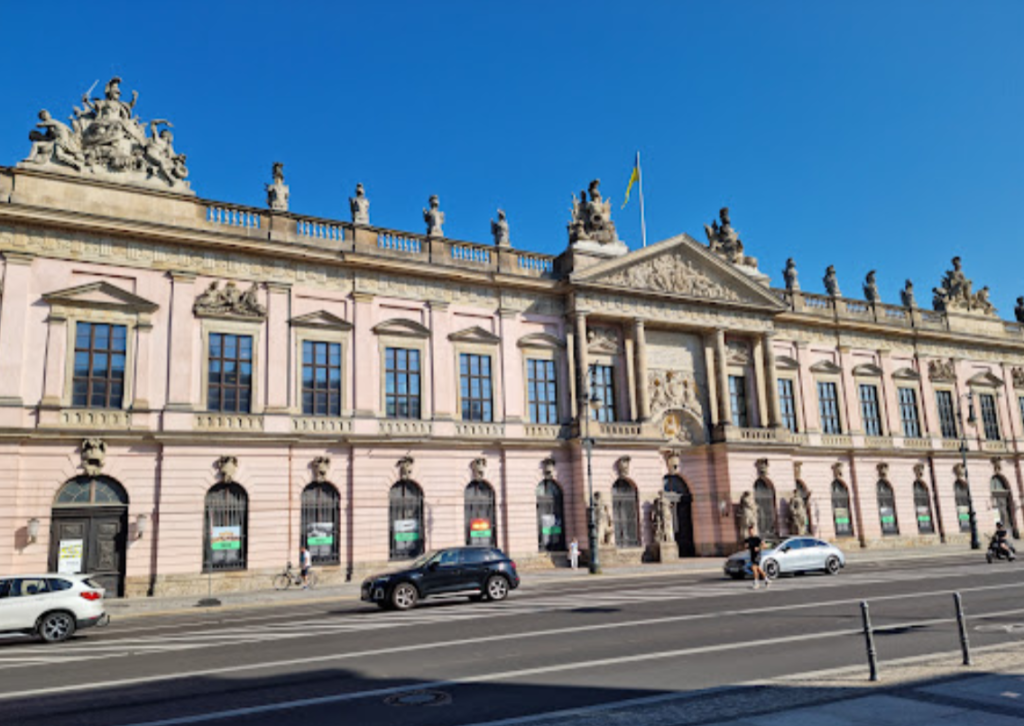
[(923, 509), (321, 517), (405, 521), (625, 514), (887, 509), (225, 534), (841, 514), (550, 522), (764, 496), (481, 529)]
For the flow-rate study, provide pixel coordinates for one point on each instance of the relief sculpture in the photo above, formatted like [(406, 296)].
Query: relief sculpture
[(671, 273)]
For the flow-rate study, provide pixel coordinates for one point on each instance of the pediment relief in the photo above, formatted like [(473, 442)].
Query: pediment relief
[(475, 334), (985, 378), (99, 295), (679, 267), (907, 374), (540, 340), (402, 327), (321, 319), (826, 366), (867, 369)]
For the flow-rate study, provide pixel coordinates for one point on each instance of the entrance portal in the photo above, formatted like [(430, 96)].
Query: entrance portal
[(682, 514)]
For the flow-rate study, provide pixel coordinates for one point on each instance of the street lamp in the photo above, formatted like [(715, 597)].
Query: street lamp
[(973, 421), (593, 404)]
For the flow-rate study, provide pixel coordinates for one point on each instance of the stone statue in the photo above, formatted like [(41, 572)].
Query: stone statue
[(960, 472), (883, 470), (622, 466), (907, 295), (955, 294), (547, 467), (790, 276), (603, 519), (228, 467), (997, 465), (277, 193), (832, 282), (1017, 374), (321, 468), (57, 143), (229, 301), (592, 220), (761, 467), (1018, 312), (158, 150), (94, 455), (747, 512), (405, 468), (661, 519), (668, 390), (360, 206), (434, 218), (871, 288), (500, 230), (479, 468), (982, 303), (797, 514), (723, 240), (918, 472)]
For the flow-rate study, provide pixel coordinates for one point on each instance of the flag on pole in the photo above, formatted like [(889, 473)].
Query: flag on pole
[(634, 177), (637, 177)]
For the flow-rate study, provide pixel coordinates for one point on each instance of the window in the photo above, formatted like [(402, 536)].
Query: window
[(229, 374), (402, 383), (828, 406), (550, 523), (624, 513), (1020, 404), (405, 521), (989, 417), (787, 404), (908, 413), (764, 496), (321, 378), (225, 531), (475, 377), (841, 509), (320, 518), (27, 586), (963, 505), (869, 410), (479, 507), (98, 378), (602, 387), (540, 391), (738, 400), (887, 509), (947, 414), (923, 509)]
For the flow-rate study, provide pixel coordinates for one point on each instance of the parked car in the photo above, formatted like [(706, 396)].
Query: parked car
[(485, 572), (796, 554), (51, 607)]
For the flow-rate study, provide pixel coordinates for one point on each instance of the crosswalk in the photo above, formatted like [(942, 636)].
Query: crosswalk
[(176, 638)]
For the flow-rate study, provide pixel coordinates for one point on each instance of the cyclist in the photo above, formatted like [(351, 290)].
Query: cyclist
[(305, 563)]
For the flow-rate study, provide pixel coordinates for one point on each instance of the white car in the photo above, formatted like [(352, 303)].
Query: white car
[(51, 607), (796, 554)]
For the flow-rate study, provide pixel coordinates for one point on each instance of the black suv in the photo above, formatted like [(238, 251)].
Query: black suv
[(487, 571)]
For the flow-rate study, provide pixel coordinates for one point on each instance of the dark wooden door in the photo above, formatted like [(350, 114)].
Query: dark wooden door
[(103, 534)]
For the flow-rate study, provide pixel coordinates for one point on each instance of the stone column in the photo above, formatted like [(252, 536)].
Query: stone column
[(757, 353), (442, 364), (180, 361), (143, 386), (631, 378), (721, 364), (583, 391), (570, 373), (56, 359), (279, 346), (772, 382), (511, 368), (710, 376), (641, 366), (367, 389)]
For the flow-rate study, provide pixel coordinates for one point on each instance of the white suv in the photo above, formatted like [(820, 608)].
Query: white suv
[(51, 607)]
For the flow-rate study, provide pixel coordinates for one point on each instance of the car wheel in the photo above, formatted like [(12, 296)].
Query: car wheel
[(832, 565), (56, 627), (404, 596), (496, 588), (771, 569)]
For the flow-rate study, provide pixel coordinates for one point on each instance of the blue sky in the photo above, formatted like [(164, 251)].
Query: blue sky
[(868, 135)]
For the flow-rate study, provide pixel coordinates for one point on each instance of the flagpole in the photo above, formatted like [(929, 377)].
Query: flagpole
[(640, 181)]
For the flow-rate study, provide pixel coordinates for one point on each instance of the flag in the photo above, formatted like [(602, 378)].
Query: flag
[(634, 177)]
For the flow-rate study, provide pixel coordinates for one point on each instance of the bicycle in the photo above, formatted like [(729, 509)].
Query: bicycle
[(291, 576)]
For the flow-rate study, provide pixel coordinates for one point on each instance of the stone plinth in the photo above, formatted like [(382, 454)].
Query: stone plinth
[(664, 552)]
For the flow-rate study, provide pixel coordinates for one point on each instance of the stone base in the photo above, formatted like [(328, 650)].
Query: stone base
[(618, 248), (664, 552)]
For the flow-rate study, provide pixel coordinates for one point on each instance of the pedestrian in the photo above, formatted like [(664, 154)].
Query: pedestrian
[(305, 562), (574, 554), (754, 543)]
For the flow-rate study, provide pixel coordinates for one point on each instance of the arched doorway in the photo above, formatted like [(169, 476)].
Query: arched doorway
[(481, 530), (625, 514), (682, 513), (841, 515), (89, 531), (887, 509), (321, 515), (405, 521), (1002, 501), (550, 524), (764, 496)]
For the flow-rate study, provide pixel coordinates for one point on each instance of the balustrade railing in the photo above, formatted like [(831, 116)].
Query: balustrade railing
[(399, 243), (464, 252), (318, 229), (233, 216), (534, 264)]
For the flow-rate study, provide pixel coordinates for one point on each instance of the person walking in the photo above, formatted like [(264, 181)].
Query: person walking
[(754, 544), (574, 554), (305, 562)]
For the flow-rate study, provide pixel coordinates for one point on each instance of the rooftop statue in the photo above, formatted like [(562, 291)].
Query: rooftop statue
[(871, 288), (592, 220), (500, 230), (360, 206), (1018, 311), (723, 240), (907, 295), (434, 218), (832, 282), (790, 276), (277, 193), (956, 294), (107, 140)]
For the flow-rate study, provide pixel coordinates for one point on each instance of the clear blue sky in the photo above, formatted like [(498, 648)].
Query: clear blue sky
[(870, 134)]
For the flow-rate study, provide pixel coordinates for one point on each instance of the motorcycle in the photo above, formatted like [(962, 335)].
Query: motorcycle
[(996, 552)]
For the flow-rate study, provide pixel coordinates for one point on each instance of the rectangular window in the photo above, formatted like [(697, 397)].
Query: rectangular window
[(828, 407), (908, 413), (989, 417), (738, 400), (1020, 403), (321, 378), (98, 378), (540, 391), (401, 383), (947, 414), (869, 413), (229, 373), (787, 404), (475, 378), (603, 388)]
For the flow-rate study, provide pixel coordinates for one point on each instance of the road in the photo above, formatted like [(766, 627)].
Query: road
[(546, 649)]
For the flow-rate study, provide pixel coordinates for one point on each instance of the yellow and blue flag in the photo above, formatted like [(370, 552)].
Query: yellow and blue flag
[(634, 177)]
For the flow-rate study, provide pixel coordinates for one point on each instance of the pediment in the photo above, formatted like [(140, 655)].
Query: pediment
[(907, 374), (985, 378), (475, 334), (540, 340), (785, 363), (99, 295), (402, 327), (322, 320), (679, 267), (826, 366), (867, 369)]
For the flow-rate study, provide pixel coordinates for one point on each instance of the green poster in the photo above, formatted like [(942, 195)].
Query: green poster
[(406, 536), (322, 540)]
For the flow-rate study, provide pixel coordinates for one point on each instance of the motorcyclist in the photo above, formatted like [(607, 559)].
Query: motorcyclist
[(1000, 542)]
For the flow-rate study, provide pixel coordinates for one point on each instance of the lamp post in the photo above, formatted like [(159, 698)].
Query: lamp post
[(971, 419), (593, 404)]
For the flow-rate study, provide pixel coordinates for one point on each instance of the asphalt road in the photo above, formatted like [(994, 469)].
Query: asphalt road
[(452, 662)]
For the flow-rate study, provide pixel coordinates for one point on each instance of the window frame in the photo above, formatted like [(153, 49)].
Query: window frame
[(92, 352), (864, 403), (237, 387), (836, 386), (600, 415), (541, 346), (322, 327), (910, 426), (739, 403), (849, 508), (791, 382), (408, 334), (953, 416), (408, 372), (254, 329), (551, 406), (492, 399), (884, 492), (131, 322), (985, 421)]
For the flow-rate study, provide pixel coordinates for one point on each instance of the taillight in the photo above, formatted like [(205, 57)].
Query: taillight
[(513, 565), (92, 595)]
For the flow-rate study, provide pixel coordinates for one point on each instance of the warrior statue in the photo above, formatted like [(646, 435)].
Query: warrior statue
[(661, 516), (500, 230), (747, 511), (277, 193), (723, 240), (1018, 311), (871, 288), (603, 519), (832, 282), (434, 218), (797, 514), (360, 206), (790, 276), (907, 295), (956, 294), (592, 220)]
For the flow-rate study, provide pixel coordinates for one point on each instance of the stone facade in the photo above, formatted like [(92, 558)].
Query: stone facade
[(711, 384)]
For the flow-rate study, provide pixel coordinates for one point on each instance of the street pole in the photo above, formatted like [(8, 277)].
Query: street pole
[(971, 515), (594, 561)]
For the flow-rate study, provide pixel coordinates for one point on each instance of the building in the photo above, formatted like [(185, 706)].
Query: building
[(189, 389)]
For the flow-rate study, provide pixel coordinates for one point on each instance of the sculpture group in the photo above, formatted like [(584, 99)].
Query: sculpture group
[(723, 240), (955, 294), (592, 219), (229, 301)]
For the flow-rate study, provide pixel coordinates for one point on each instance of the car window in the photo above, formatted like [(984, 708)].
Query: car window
[(449, 557), (27, 587), (795, 544), (89, 582), (808, 543), (3, 587), (57, 584), (475, 556), (819, 543)]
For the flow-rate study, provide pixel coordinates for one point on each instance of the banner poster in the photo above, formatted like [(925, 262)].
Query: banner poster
[(550, 525), (479, 528), (226, 538), (69, 560), (320, 534), (407, 530)]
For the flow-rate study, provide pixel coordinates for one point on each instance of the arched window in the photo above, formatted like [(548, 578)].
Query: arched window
[(550, 525), (923, 509), (321, 517), (887, 508), (87, 491), (841, 514), (405, 521), (625, 514), (226, 530), (1002, 502), (764, 495), (963, 505), (481, 529)]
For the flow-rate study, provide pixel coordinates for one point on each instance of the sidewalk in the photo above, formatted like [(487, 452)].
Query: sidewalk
[(136, 607)]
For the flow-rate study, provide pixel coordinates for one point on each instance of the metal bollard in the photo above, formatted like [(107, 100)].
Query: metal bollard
[(961, 623), (869, 640)]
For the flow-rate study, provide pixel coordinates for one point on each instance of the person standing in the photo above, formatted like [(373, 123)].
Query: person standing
[(754, 544), (574, 554), (305, 562)]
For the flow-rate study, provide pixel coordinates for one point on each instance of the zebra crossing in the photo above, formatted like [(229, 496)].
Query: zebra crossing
[(100, 645)]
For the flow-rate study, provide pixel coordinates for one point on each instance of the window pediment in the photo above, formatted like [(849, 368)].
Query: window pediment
[(826, 366), (907, 374), (867, 369), (402, 327), (985, 378), (320, 320), (540, 340), (785, 363), (99, 296), (475, 334)]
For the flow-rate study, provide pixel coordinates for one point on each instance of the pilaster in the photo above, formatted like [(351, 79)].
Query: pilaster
[(442, 363), (643, 396), (278, 375), (851, 412), (757, 352), (583, 393), (366, 388), (772, 382), (143, 387), (56, 359), (808, 393), (180, 356), (511, 368), (711, 376), (14, 326), (722, 369), (892, 410)]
